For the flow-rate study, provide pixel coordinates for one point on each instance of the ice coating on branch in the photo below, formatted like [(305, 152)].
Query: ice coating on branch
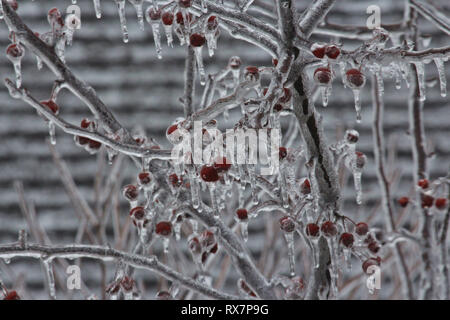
[(421, 79), (51, 130), (442, 79), (123, 19), (355, 162), (289, 237), (15, 52), (211, 34), (98, 9)]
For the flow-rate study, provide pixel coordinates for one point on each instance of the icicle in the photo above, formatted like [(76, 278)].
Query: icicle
[(211, 34), (51, 131), (334, 272), (347, 258), (6, 260), (397, 75), (201, 68), (289, 237), (421, 79), (169, 36), (74, 1), (212, 193), (441, 71), (244, 230), (315, 251), (18, 71), (283, 188), (177, 230), (356, 94), (157, 38), (343, 66), (140, 13), (166, 242), (98, 9), (326, 92), (252, 174), (123, 19), (194, 190), (48, 266), (357, 180), (380, 82)]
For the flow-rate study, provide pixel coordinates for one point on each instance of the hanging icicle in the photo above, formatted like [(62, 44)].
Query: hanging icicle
[(153, 17), (123, 19), (98, 9), (197, 41), (421, 79), (15, 53), (139, 12), (211, 34), (167, 21), (442, 79)]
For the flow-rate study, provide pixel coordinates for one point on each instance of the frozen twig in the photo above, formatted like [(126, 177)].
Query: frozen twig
[(109, 254), (430, 13), (189, 82)]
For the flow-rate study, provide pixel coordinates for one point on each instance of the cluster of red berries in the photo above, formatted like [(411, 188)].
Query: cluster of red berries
[(322, 50), (89, 145), (203, 245), (355, 79), (427, 200)]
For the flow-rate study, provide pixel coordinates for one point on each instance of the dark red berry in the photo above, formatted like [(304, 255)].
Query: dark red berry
[(427, 201), (85, 123), (242, 214), (275, 62), (163, 228), (403, 201), (167, 18), (352, 136), (318, 50), (355, 78), (374, 247), (214, 248), (278, 107), (195, 246), (12, 295), (174, 180), (362, 228), (209, 174), (94, 144), (144, 178), (347, 239), (360, 159), (329, 229), (137, 213), (282, 152), (180, 19), (51, 105), (312, 230), (154, 14), (440, 203), (130, 192), (305, 188), (423, 183), (252, 70), (185, 3), (322, 75), (332, 51), (370, 262), (212, 23), (15, 51), (287, 224), (197, 40)]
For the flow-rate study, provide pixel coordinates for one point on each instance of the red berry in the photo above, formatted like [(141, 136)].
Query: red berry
[(209, 174), (318, 50), (82, 140), (185, 3), (287, 224), (355, 78), (144, 178), (51, 105), (164, 228), (423, 183), (332, 51), (167, 18), (207, 239), (360, 159), (194, 245), (351, 136), (275, 62), (197, 40), (347, 239), (242, 214), (13, 4), (370, 262), (252, 70), (322, 75), (427, 201), (94, 144), (214, 248), (154, 14), (12, 295), (15, 51), (362, 228), (278, 107), (235, 62), (85, 123), (440, 203), (137, 213), (130, 192), (174, 180), (374, 247), (403, 201), (180, 19), (329, 229), (172, 129), (305, 188), (212, 23), (312, 230), (222, 164), (282, 152)]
